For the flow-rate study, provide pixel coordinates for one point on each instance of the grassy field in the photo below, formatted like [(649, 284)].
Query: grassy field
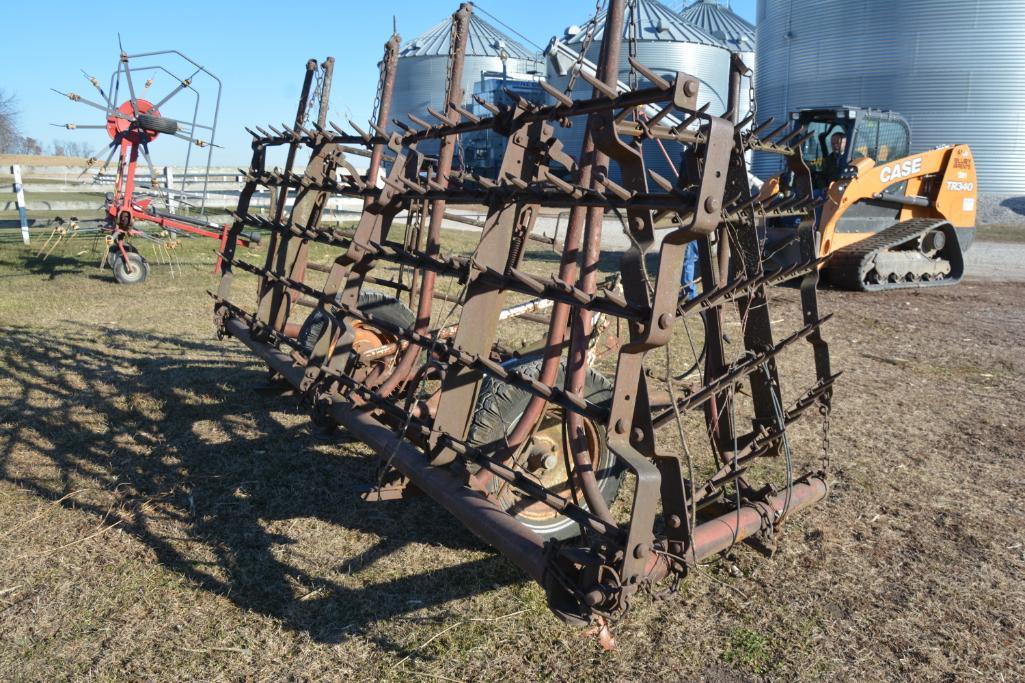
[(162, 518)]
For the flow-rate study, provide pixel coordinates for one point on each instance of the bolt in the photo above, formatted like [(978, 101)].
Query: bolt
[(673, 521), (620, 426), (638, 434), (549, 461), (664, 321), (640, 550), (690, 88), (711, 205)]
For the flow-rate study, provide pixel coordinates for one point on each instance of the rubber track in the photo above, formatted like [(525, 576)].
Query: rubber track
[(848, 266)]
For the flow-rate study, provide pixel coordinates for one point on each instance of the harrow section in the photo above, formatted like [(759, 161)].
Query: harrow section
[(528, 447)]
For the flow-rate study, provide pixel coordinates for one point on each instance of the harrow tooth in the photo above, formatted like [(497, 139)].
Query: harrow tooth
[(556, 94), (567, 188), (488, 183), (756, 131), (511, 179), (597, 84), (529, 281), (651, 76), (362, 133), (776, 131), (487, 105), (784, 142), (418, 121), (745, 122), (797, 145), (680, 128), (465, 114), (441, 117), (617, 190)]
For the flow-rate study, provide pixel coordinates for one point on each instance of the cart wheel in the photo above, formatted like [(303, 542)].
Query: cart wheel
[(138, 265), (545, 458), (157, 124), (386, 308), (113, 253)]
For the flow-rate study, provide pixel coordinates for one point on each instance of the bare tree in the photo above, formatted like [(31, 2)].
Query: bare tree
[(72, 148), (10, 136)]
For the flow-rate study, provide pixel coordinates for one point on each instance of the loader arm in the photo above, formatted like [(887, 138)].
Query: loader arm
[(941, 184)]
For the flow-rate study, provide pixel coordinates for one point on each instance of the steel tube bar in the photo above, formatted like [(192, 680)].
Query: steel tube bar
[(454, 96)]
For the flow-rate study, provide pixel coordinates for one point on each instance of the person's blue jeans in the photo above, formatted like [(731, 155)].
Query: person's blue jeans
[(690, 270)]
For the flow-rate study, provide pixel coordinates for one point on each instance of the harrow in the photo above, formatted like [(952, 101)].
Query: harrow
[(530, 447)]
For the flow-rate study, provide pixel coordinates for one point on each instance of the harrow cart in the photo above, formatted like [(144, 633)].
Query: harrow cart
[(530, 447)]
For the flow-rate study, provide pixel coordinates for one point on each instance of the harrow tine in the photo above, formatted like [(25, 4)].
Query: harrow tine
[(653, 78), (465, 114), (556, 94), (761, 126), (597, 84)]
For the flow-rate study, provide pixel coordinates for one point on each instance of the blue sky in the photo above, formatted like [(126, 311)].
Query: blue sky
[(258, 49)]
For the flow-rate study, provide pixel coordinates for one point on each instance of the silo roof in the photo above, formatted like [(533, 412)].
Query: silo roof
[(654, 22), (720, 21), (484, 40)]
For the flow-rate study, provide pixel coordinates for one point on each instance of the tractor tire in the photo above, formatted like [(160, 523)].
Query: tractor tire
[(157, 124), (387, 308), (139, 269), (499, 408)]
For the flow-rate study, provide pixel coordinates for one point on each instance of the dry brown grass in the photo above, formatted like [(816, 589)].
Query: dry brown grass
[(162, 519)]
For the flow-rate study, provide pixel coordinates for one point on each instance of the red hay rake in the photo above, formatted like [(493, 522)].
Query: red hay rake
[(133, 125), (528, 447)]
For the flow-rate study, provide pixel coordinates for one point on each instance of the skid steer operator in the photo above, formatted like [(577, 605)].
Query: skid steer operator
[(834, 163)]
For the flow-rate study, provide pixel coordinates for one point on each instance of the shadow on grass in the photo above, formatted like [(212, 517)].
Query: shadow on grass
[(197, 464)]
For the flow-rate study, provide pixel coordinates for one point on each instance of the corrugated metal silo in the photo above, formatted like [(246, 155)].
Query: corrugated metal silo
[(666, 44), (736, 33), (954, 68), (422, 72)]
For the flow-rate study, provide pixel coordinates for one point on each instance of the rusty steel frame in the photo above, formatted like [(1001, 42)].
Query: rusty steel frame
[(673, 521)]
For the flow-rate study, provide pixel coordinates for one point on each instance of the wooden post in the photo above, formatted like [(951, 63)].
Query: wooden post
[(19, 198), (172, 203)]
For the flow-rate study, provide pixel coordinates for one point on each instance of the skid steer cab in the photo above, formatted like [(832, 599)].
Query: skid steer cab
[(889, 219)]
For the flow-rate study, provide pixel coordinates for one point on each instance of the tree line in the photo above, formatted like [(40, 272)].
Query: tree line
[(13, 142)]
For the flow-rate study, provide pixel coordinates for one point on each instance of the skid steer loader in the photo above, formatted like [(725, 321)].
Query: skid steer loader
[(889, 219)]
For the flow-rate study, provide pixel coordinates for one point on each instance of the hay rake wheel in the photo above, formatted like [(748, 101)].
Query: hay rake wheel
[(685, 505)]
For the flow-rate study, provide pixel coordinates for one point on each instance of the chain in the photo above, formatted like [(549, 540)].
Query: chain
[(453, 40), (824, 410), (314, 95), (632, 44), (380, 91), (585, 46)]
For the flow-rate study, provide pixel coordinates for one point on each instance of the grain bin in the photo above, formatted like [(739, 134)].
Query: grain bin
[(666, 44), (736, 33), (422, 73), (954, 68)]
